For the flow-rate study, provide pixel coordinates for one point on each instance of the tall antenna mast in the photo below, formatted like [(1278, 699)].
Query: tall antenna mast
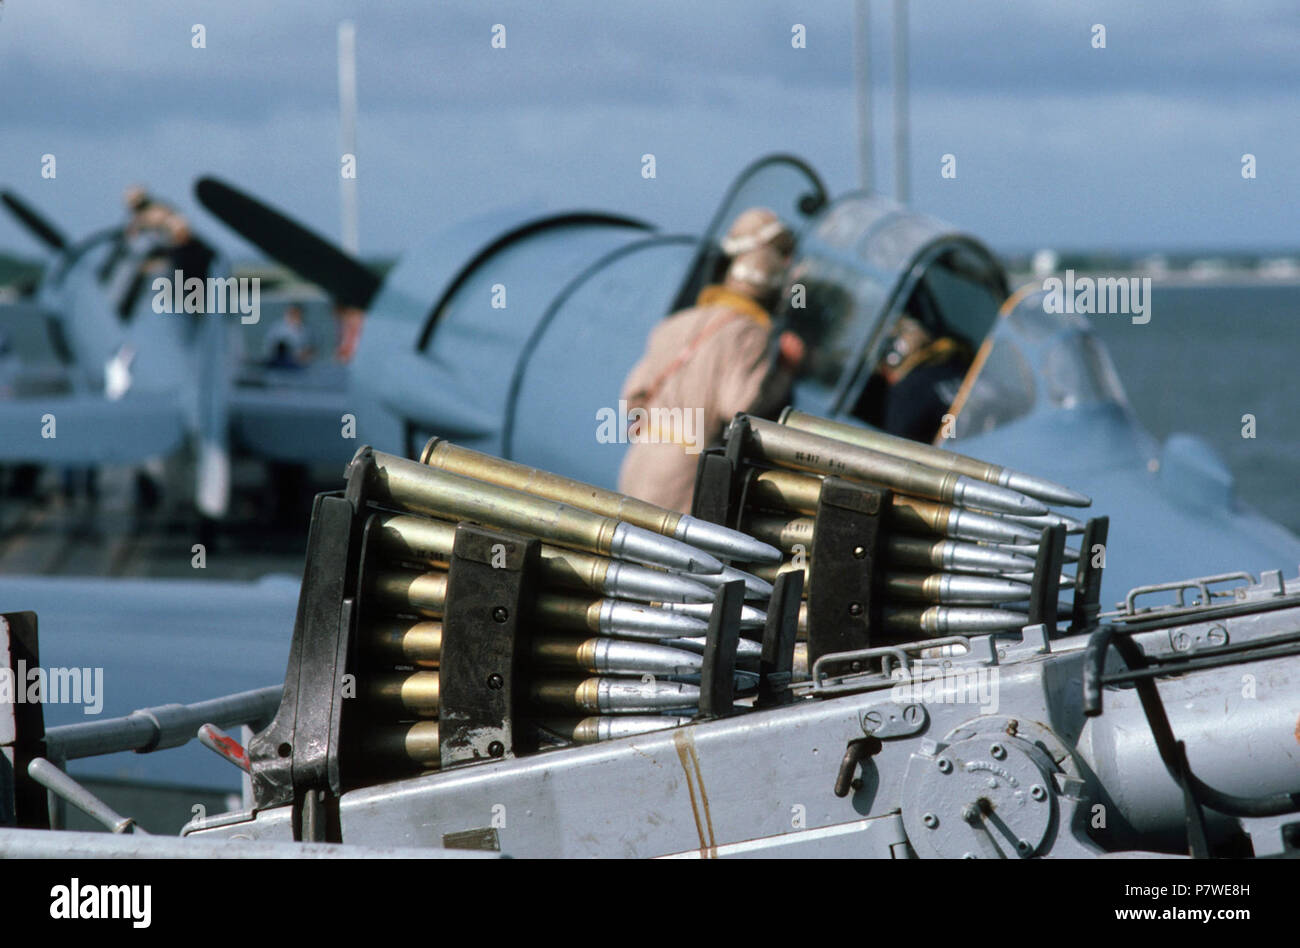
[(862, 70), (350, 225), (901, 183)]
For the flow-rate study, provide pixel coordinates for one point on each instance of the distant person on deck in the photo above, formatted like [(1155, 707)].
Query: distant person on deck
[(289, 343), (704, 364)]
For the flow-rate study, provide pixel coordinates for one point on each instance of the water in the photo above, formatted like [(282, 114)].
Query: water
[(1210, 355)]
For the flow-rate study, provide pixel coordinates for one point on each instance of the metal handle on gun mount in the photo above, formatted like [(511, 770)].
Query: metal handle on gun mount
[(57, 782)]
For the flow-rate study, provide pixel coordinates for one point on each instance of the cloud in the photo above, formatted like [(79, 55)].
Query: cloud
[(1057, 142)]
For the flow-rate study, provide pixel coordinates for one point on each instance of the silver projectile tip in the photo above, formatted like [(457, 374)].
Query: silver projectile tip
[(966, 620), (970, 558), (631, 694), (725, 543), (610, 728), (1048, 492), (629, 581), (1048, 520), (635, 621), (956, 588), (747, 650), (1065, 578), (751, 617), (1031, 549), (972, 525), (755, 589), (968, 492), (644, 546), (616, 657)]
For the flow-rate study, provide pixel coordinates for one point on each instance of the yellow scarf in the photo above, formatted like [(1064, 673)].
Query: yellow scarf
[(941, 350), (718, 295)]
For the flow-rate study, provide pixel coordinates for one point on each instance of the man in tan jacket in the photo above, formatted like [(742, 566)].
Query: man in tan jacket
[(706, 363)]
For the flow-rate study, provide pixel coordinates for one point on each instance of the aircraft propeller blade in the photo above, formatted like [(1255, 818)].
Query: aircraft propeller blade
[(40, 228), (306, 253)]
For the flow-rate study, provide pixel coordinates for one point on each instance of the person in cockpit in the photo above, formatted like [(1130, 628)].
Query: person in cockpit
[(917, 378)]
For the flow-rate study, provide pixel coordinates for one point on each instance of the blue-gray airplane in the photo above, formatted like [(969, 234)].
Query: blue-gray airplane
[(119, 380), (513, 335)]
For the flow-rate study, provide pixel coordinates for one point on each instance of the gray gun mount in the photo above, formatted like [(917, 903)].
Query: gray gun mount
[(1162, 731)]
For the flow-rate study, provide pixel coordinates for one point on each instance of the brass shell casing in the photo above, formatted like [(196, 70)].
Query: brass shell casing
[(607, 503), (414, 694), (399, 642)]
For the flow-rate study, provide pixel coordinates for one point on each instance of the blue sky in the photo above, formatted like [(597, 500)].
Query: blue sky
[(1135, 146)]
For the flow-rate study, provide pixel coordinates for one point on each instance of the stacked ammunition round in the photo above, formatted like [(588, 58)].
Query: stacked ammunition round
[(960, 536), (798, 493), (747, 650), (785, 446), (1048, 520), (605, 728), (613, 656), (615, 617), (1071, 554), (954, 588), (407, 593), (412, 745), (936, 621), (756, 589), (751, 617), (413, 487), (417, 643), (945, 587), (608, 695), (407, 538), (404, 694), (619, 616), (718, 540), (1040, 488), (900, 549)]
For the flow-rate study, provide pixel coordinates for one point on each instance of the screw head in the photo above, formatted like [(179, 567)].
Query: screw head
[(500, 614), (945, 765), (998, 751), (1038, 792), (496, 749), (859, 552), (930, 820), (872, 720), (495, 681), (1023, 846), (855, 608)]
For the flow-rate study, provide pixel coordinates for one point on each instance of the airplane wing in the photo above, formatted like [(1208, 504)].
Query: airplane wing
[(88, 429), (293, 424)]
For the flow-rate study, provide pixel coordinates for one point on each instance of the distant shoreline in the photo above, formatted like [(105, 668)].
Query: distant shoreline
[(1180, 280)]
